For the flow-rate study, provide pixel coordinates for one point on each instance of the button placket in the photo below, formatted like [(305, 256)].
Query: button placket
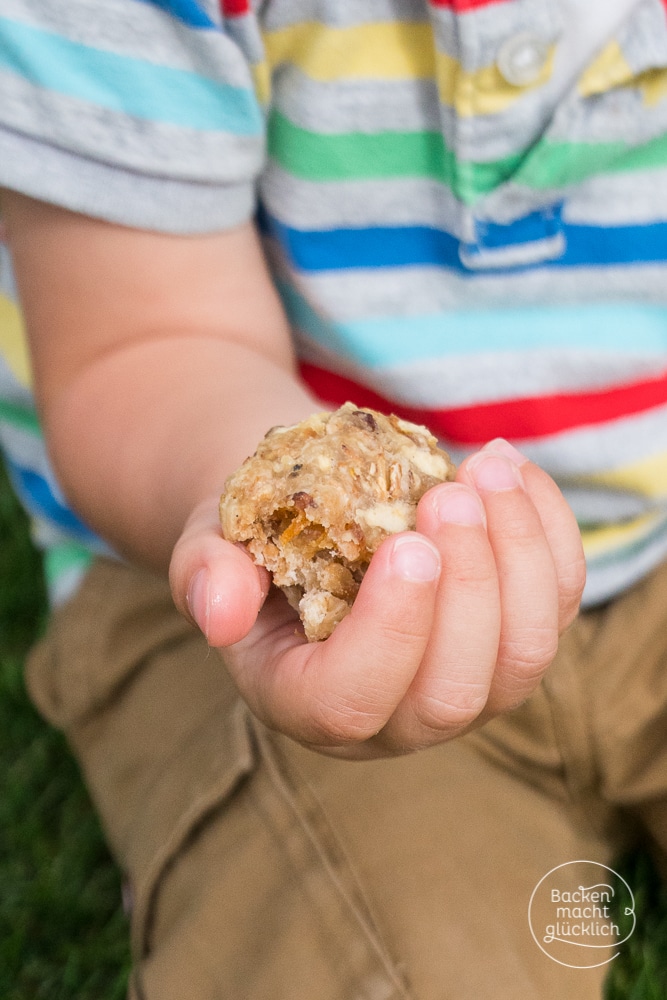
[(516, 49)]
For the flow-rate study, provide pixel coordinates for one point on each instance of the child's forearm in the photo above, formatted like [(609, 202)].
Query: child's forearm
[(147, 433), (159, 362)]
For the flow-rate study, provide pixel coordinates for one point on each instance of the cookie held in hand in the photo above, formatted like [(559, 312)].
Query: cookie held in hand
[(317, 499)]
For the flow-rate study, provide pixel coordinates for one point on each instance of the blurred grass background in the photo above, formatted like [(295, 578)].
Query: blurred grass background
[(63, 934)]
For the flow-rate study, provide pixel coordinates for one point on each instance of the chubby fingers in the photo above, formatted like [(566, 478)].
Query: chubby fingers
[(341, 692), (214, 583), (511, 581)]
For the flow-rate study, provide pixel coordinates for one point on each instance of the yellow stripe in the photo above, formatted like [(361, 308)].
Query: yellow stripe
[(647, 477), (610, 69), (392, 51), (597, 541), (653, 85), (261, 76), (12, 342)]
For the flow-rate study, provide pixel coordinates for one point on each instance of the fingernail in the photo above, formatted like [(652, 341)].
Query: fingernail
[(198, 599), (415, 559), (457, 505), (506, 449), (492, 472)]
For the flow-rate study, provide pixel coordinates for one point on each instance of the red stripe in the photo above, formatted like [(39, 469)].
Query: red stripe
[(517, 419), (234, 8), (460, 6)]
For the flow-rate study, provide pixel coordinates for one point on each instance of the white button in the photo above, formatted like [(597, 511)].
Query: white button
[(521, 59)]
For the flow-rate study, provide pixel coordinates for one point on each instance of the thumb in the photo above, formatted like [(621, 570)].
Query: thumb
[(214, 583)]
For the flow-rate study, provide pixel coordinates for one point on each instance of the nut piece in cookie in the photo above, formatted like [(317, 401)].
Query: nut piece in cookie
[(317, 499)]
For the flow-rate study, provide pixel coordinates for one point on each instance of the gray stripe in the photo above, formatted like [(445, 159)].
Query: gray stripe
[(643, 37), (116, 195), (602, 505), (7, 283), (367, 106), (619, 199), (594, 449), (168, 151), (342, 13), (331, 204), (26, 450), (484, 138), (359, 294), (619, 115), (245, 32)]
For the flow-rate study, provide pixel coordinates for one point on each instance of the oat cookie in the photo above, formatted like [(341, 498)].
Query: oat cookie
[(317, 499)]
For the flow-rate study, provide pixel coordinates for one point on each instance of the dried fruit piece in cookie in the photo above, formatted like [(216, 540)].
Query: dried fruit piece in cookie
[(317, 499)]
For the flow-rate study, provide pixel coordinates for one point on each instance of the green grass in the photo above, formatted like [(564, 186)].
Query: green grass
[(640, 972), (63, 935)]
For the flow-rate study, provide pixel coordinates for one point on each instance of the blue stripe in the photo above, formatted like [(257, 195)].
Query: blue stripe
[(382, 246), (125, 84), (187, 11), (632, 328), (38, 499), (412, 246)]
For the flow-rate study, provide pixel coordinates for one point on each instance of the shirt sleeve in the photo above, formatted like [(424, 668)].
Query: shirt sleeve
[(141, 112)]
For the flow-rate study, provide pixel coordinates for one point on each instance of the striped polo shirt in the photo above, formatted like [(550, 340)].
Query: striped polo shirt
[(454, 238)]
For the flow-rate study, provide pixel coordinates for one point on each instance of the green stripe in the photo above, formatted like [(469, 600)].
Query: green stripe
[(553, 164), (361, 156), (19, 416), (64, 558)]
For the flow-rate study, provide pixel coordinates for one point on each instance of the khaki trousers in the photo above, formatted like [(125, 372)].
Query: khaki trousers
[(262, 871)]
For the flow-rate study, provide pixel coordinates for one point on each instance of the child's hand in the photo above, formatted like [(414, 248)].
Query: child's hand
[(453, 623)]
